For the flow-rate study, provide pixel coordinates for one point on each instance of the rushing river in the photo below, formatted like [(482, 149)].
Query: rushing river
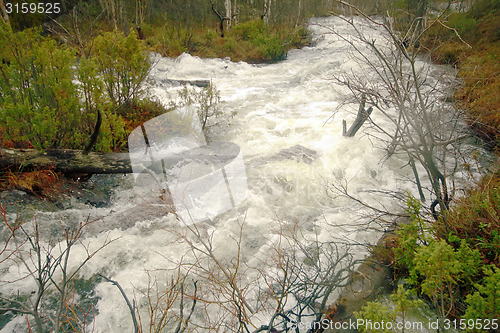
[(285, 117)]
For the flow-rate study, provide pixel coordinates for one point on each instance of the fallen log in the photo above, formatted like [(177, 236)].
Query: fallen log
[(75, 161), (64, 160)]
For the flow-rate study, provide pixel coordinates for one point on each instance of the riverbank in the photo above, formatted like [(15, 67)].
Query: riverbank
[(476, 56)]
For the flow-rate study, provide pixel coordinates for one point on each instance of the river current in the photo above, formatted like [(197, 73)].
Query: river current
[(287, 120)]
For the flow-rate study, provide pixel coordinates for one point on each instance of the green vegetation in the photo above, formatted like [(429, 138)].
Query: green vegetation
[(485, 301), (112, 78), (38, 100), (439, 268), (42, 106), (199, 27), (250, 41)]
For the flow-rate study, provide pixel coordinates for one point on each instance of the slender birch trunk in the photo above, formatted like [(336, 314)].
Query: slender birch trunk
[(229, 14), (267, 11)]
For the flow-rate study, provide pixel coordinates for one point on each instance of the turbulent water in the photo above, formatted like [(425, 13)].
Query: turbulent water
[(286, 119)]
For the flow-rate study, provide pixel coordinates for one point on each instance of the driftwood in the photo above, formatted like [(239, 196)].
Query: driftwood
[(362, 116)]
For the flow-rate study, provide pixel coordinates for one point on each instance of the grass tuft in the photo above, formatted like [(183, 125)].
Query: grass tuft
[(43, 183)]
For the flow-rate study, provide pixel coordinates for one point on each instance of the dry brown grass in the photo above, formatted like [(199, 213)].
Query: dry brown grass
[(43, 183)]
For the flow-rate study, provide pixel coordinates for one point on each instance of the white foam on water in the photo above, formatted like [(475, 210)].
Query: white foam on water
[(274, 107)]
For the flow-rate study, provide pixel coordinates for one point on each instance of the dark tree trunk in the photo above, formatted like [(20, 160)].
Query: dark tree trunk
[(95, 134)]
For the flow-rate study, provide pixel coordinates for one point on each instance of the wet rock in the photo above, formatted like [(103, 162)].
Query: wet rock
[(130, 217), (371, 279), (94, 197), (12, 195), (298, 153), (97, 191), (23, 203)]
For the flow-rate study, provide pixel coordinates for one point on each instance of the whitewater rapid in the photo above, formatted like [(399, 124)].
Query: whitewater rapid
[(287, 120)]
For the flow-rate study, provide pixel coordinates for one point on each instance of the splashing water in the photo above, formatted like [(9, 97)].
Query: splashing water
[(280, 115)]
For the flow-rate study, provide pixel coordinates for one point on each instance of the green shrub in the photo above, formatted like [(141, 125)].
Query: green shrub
[(250, 30), (272, 49), (91, 88), (42, 105), (484, 303), (113, 136), (147, 29), (374, 312), (210, 35), (38, 100), (269, 43), (377, 312), (230, 44), (112, 82), (439, 269), (410, 236), (122, 65)]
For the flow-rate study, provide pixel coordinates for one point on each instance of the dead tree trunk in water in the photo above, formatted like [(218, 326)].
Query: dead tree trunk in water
[(362, 116), (74, 161)]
